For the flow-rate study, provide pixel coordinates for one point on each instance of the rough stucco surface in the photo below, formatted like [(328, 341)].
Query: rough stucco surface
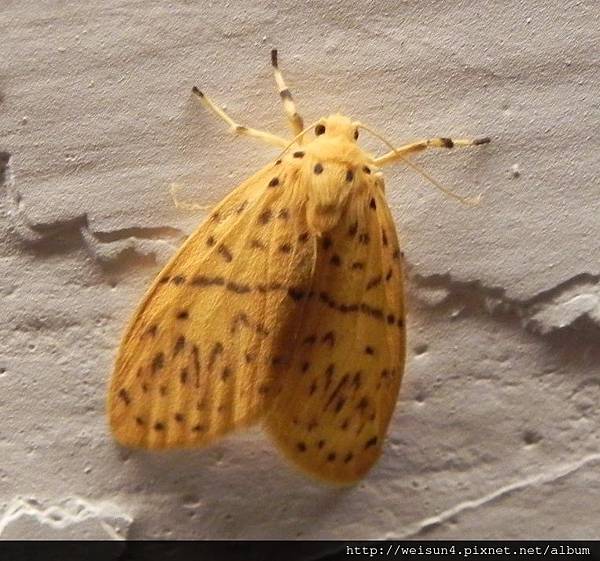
[(496, 433)]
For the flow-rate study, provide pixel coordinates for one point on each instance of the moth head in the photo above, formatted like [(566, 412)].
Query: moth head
[(337, 125)]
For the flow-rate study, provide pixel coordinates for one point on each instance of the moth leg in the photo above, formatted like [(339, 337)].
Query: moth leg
[(237, 128), (183, 205), (289, 106), (441, 142)]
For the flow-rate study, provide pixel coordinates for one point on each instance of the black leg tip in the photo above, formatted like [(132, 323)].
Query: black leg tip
[(197, 92), (484, 140), (274, 57)]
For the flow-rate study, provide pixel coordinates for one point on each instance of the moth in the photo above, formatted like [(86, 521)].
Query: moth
[(285, 308)]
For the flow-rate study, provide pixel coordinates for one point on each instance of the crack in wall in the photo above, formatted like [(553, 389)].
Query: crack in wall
[(572, 305), (147, 233), (4, 167), (421, 527), (112, 249), (34, 517)]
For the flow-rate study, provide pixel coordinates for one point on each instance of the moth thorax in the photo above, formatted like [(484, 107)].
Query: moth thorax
[(322, 217), (328, 194)]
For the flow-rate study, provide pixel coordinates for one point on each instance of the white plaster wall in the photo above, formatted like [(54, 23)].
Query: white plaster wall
[(496, 432)]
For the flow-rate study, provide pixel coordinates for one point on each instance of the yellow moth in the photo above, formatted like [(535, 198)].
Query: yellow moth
[(285, 307)]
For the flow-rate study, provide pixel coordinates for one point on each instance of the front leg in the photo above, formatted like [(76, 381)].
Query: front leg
[(407, 149), (237, 128), (296, 122)]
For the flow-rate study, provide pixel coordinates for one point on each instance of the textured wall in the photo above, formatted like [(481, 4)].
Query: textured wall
[(496, 433)]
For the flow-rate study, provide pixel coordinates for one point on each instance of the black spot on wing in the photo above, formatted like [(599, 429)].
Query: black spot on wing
[(158, 362), (225, 253), (124, 396)]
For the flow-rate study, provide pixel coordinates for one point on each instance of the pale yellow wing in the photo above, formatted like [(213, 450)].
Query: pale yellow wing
[(340, 391), (204, 350)]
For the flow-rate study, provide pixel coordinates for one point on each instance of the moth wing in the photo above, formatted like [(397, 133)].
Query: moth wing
[(202, 353), (339, 394)]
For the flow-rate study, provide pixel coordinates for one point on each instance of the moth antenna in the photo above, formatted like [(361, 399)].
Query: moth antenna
[(298, 136), (467, 201), (179, 204)]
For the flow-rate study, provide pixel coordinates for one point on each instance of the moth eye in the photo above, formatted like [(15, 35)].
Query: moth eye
[(355, 134), (319, 130)]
